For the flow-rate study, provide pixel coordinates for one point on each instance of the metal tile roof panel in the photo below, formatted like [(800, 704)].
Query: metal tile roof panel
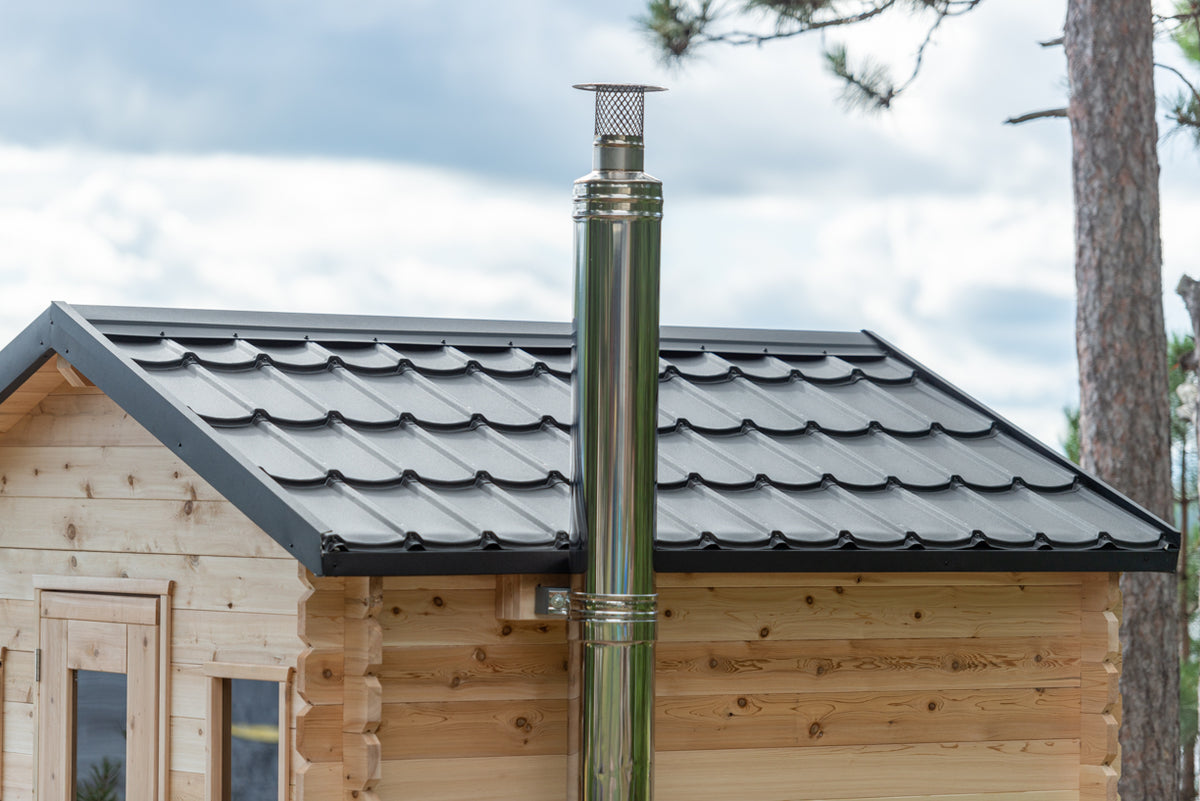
[(404, 437)]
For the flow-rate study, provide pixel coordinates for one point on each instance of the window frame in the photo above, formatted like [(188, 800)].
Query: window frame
[(113, 598), (217, 713)]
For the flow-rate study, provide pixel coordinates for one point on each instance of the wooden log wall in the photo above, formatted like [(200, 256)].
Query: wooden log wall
[(86, 491), (1100, 672), (771, 687)]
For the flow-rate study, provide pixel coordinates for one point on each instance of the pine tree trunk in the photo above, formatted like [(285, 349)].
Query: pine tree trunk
[(1187, 758), (1124, 417)]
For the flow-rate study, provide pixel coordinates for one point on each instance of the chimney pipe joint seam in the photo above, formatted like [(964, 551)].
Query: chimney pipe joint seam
[(597, 197), (609, 618)]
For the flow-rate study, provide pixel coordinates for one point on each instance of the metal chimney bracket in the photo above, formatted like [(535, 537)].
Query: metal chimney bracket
[(531, 597), (552, 601)]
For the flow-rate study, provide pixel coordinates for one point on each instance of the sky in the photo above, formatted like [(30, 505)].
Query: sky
[(400, 158)]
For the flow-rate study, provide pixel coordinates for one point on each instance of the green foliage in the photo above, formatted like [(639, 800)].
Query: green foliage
[(1189, 667), (102, 783), (1070, 442), (1187, 35), (869, 87), (1185, 104), (785, 11), (1178, 347), (675, 24)]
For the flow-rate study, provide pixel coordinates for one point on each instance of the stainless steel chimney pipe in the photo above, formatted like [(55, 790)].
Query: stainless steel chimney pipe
[(613, 618)]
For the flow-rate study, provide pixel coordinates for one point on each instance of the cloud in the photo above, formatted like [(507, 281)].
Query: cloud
[(397, 158), (286, 234), (976, 290)]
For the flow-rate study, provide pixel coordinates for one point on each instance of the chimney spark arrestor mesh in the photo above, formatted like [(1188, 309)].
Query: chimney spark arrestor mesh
[(620, 107)]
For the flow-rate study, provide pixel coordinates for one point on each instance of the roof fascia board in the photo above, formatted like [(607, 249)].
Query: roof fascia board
[(409, 563), (25, 355), (436, 563), (909, 561), (185, 434), (1091, 481)]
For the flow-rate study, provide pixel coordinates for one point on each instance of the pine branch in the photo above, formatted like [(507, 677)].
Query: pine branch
[(738, 37), (680, 26), (1036, 115), (1182, 77), (1054, 42)]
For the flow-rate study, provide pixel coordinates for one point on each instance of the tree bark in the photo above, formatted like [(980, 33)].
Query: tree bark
[(1124, 416)]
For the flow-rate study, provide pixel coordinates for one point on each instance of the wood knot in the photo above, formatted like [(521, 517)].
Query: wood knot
[(187, 507), (129, 480), (712, 663), (820, 670), (933, 706), (808, 599), (327, 673), (917, 615), (838, 590), (1037, 657), (456, 681), (955, 665), (667, 613), (742, 703), (71, 531), (479, 655), (764, 632), (522, 723), (395, 610), (507, 630), (814, 730), (437, 601)]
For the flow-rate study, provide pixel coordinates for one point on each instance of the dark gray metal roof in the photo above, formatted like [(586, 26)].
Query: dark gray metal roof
[(390, 445)]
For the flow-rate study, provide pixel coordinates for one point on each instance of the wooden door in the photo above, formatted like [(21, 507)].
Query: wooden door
[(111, 634)]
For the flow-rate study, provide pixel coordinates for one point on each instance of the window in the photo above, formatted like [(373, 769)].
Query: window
[(239, 712), (89, 627)]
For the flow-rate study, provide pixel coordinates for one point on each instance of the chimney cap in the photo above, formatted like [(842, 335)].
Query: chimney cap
[(620, 107), (618, 87)]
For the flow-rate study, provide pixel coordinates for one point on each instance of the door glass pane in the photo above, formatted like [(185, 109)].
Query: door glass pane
[(99, 736), (254, 727)]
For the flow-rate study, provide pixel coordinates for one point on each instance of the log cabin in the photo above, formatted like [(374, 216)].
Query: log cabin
[(870, 585), (534, 561)]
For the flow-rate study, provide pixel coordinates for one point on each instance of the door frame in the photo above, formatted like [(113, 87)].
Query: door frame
[(69, 609)]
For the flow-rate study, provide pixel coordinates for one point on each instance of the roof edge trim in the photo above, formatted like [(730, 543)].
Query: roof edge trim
[(183, 432), (25, 355), (1016, 432)]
